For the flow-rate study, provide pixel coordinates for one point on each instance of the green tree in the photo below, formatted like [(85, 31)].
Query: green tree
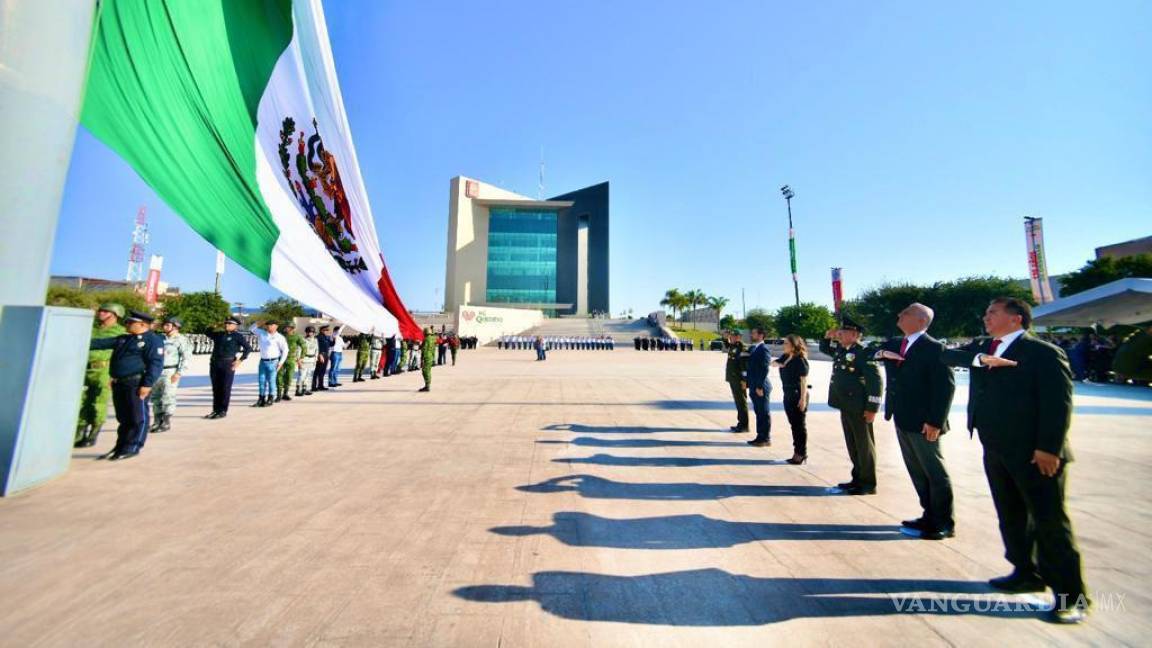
[(76, 298), (762, 319), (729, 322), (282, 310), (807, 320), (717, 304), (672, 299), (695, 298), (960, 304), (876, 308), (1098, 272), (200, 311)]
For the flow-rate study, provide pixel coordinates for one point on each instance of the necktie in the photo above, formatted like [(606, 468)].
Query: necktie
[(903, 347), (992, 347)]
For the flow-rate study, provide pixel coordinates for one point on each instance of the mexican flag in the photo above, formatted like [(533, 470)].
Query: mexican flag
[(231, 111)]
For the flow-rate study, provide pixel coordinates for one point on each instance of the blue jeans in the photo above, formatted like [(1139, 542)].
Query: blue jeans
[(267, 376), (334, 367)]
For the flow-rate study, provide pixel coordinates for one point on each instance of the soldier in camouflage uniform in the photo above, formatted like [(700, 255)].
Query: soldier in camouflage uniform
[(97, 383), (377, 356), (177, 353), (735, 374), (309, 352), (363, 356), (428, 351), (855, 390), (291, 369)]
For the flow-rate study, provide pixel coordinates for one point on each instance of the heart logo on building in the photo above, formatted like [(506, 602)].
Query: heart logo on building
[(468, 315)]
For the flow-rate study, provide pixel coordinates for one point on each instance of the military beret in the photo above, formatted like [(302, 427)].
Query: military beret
[(113, 307), (175, 321), (137, 316), (847, 324)]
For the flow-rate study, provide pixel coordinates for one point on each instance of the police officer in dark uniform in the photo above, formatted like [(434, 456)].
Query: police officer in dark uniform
[(137, 361), (223, 364), (736, 373), (855, 391)]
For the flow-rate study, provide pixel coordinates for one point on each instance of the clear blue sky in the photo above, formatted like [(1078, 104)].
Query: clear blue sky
[(916, 136)]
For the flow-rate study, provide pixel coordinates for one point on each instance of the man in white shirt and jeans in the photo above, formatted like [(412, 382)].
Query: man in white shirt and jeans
[(273, 354)]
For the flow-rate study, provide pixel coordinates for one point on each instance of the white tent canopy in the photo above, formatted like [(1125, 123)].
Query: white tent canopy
[(1125, 301)]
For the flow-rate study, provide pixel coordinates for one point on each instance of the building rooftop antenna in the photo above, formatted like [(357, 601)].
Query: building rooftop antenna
[(136, 253)]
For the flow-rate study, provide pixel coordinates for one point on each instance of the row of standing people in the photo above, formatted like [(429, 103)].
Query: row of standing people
[(1020, 403), (556, 343), (663, 344)]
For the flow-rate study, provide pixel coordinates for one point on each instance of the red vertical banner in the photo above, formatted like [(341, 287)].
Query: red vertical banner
[(837, 289), (152, 286)]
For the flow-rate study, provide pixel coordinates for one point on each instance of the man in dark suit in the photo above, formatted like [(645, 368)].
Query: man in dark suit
[(759, 387), (1020, 401), (919, 395)]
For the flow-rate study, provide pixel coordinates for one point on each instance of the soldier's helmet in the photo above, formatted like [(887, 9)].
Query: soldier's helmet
[(113, 307)]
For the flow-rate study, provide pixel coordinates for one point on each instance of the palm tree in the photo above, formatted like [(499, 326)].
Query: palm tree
[(717, 304), (695, 298), (672, 299)]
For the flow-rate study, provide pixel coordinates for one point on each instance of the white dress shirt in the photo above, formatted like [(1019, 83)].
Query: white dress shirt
[(273, 346), (912, 339), (1005, 342)]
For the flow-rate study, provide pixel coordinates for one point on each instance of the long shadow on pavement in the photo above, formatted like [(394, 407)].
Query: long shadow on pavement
[(594, 487), (618, 429), (714, 597), (642, 443), (669, 462), (577, 529)]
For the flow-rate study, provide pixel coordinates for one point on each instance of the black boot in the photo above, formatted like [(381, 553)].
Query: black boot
[(81, 436), (167, 424), (285, 397), (259, 403)]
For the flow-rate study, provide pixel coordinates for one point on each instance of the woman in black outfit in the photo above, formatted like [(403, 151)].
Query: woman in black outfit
[(794, 378)]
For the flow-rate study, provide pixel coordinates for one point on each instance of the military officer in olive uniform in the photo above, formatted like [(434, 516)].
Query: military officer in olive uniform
[(736, 374), (855, 391), (177, 353), (222, 367), (137, 362), (309, 352), (363, 356), (97, 389), (428, 349), (287, 376)]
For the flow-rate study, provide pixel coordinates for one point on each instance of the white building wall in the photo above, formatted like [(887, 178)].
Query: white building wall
[(488, 323)]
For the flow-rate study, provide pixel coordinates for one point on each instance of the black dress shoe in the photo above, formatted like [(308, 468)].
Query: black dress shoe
[(797, 460), (846, 486), (123, 455), (919, 524), (760, 443), (221, 415), (737, 428), (936, 534), (111, 454), (1018, 583), (1073, 614), (859, 490), (211, 415)]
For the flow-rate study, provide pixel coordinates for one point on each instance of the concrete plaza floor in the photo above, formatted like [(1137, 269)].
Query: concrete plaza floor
[(594, 499)]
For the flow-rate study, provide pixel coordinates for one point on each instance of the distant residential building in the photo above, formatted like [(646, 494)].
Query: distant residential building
[(1125, 248), (95, 284)]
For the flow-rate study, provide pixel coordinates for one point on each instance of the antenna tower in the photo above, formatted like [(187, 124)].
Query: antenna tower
[(136, 254)]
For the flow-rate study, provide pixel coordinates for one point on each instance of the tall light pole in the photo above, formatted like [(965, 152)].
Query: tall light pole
[(788, 194)]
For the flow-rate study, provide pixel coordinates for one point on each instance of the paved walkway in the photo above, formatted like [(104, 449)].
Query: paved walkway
[(590, 500)]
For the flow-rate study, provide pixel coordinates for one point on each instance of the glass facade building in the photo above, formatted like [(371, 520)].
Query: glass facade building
[(521, 256)]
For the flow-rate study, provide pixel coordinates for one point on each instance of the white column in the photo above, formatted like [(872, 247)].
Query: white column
[(582, 267)]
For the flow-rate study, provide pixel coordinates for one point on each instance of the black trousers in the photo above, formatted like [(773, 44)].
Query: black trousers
[(222, 375), (1036, 530), (740, 397), (321, 371), (763, 417), (925, 463), (861, 446), (797, 420), (131, 414)]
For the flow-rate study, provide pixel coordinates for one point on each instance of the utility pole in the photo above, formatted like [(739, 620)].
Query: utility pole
[(788, 194)]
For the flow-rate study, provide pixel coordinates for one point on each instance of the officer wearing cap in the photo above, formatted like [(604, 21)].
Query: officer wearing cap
[(855, 391), (735, 373), (96, 390), (136, 363), (223, 364), (177, 354)]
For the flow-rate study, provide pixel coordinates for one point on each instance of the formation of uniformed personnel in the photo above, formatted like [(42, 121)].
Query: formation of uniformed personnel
[(363, 356), (429, 356), (855, 390), (291, 369), (136, 363), (177, 353), (736, 373), (97, 388), (226, 345), (309, 353), (376, 357)]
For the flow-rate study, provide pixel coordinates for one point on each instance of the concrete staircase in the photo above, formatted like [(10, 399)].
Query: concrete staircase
[(621, 330)]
